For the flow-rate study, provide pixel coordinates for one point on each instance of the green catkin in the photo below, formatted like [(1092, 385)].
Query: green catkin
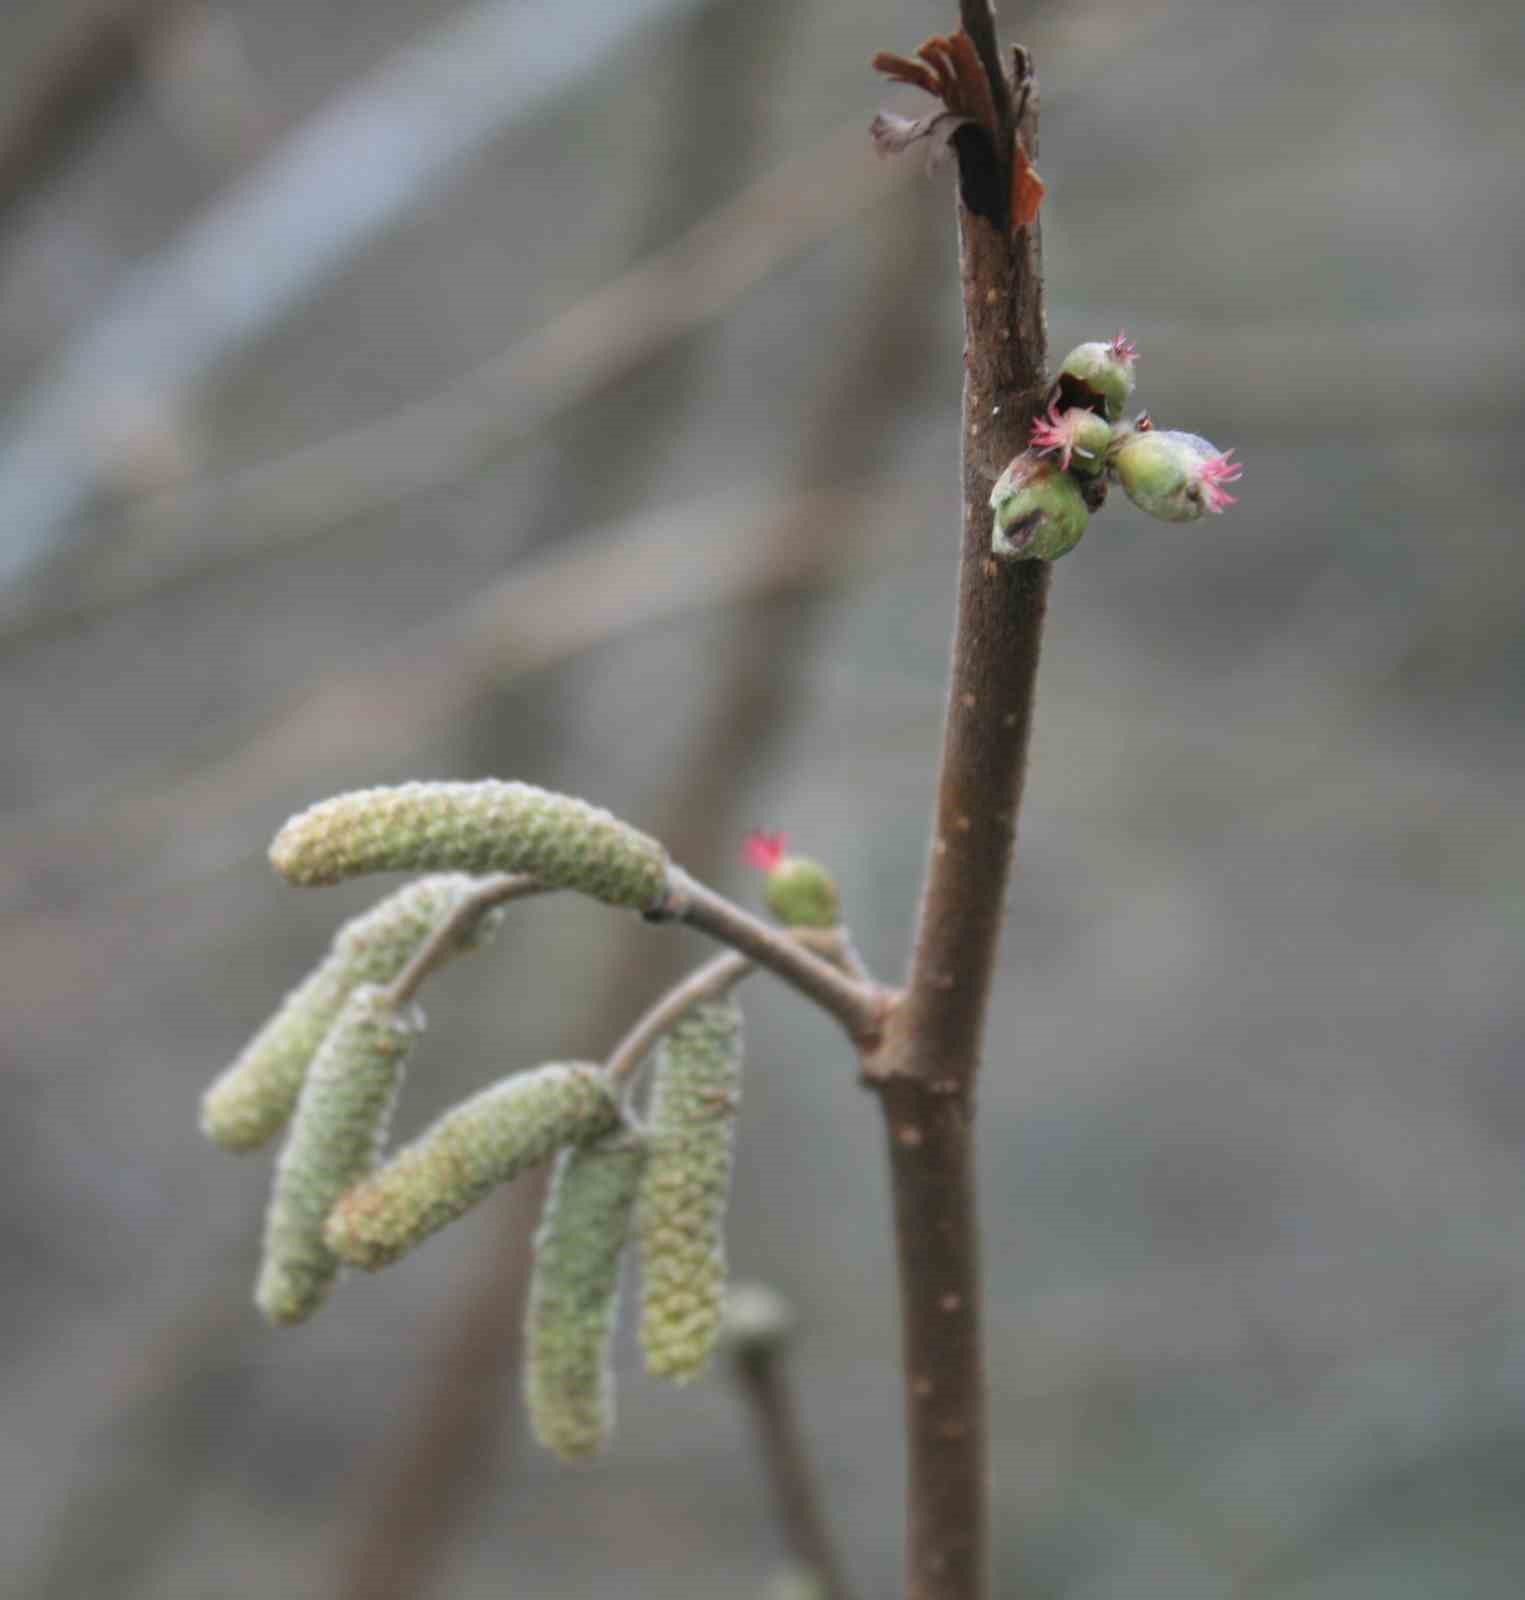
[(251, 1102), (489, 826), (691, 1128), (574, 1296), (336, 1135), (485, 1141)]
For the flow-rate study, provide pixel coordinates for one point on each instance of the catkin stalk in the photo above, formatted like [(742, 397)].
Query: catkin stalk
[(574, 1296), (485, 1141), (252, 1101), (691, 1128), (340, 1124)]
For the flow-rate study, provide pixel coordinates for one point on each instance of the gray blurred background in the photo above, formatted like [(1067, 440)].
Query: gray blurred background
[(565, 392)]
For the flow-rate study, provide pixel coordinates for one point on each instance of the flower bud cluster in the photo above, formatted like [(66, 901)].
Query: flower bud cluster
[(1043, 500)]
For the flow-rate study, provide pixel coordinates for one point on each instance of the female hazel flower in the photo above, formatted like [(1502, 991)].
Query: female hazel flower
[(1177, 477), (1040, 512), (1079, 437), (1105, 368)]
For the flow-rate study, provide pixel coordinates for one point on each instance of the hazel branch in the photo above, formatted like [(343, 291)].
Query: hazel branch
[(457, 930), (756, 1334), (709, 982), (857, 1004)]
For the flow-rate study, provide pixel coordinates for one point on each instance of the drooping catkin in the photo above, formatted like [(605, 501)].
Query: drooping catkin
[(489, 826), (691, 1127), (250, 1103), (574, 1295), (336, 1135), (486, 1140)]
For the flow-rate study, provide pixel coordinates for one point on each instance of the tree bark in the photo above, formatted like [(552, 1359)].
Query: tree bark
[(927, 1063)]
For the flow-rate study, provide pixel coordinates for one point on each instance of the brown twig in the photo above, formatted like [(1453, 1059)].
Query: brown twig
[(445, 436), (99, 55), (708, 982), (858, 1006), (759, 1363), (926, 1065), (448, 938)]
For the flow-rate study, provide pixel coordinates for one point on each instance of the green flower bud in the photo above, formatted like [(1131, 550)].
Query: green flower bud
[(486, 1140), (1077, 437), (574, 1295), (250, 1103), (1040, 511), (338, 1131), (695, 1094), (474, 827), (1174, 476), (1101, 371), (801, 893)]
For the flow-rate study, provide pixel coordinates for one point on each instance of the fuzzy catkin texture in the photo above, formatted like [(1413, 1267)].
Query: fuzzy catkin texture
[(251, 1102), (486, 1140), (336, 1135), (691, 1128), (474, 827), (574, 1296)]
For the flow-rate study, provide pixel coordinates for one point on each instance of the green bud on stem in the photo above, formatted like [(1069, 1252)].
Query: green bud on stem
[(1040, 511), (1176, 477), (1103, 372)]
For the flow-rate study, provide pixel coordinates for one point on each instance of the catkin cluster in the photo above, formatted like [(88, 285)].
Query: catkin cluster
[(489, 826), (1044, 499), (330, 1063), (695, 1095)]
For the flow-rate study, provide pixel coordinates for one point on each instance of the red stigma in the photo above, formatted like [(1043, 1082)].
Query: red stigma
[(762, 851)]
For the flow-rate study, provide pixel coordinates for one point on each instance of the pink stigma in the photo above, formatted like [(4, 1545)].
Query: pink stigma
[(1212, 474), (1124, 349), (1053, 433), (762, 851)]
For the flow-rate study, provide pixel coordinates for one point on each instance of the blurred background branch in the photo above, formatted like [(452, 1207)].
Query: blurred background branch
[(281, 233)]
